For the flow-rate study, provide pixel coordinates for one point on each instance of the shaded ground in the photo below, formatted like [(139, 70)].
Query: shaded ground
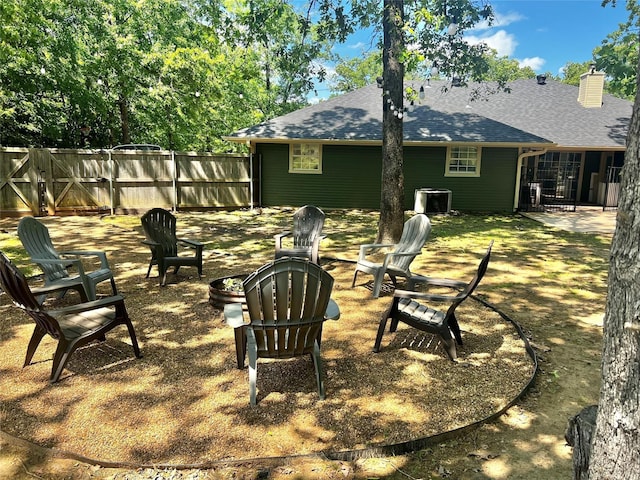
[(528, 439)]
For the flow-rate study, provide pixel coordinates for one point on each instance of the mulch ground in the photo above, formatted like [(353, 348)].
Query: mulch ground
[(185, 402)]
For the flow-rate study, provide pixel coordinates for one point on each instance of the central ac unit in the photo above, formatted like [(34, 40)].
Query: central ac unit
[(432, 200)]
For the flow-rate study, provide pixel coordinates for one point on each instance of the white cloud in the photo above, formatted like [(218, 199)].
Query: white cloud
[(500, 20), (535, 63), (359, 46), (501, 41)]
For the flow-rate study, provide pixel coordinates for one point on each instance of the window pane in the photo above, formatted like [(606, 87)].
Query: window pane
[(305, 157), (463, 160)]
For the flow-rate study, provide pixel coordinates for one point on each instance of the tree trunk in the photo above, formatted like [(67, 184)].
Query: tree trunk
[(579, 435), (392, 192), (616, 449)]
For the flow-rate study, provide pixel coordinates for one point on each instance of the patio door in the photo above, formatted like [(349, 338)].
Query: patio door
[(550, 182)]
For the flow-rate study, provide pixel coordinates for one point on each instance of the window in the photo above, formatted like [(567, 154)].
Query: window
[(463, 162), (305, 158)]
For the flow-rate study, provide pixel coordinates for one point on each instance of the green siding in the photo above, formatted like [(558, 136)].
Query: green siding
[(492, 191), (351, 178)]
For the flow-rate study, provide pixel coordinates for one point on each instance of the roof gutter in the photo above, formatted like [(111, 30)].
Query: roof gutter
[(521, 157)]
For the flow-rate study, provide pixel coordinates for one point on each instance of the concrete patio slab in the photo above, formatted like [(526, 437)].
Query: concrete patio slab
[(583, 220)]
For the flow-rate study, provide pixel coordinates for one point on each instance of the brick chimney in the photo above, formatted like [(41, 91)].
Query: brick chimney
[(591, 88)]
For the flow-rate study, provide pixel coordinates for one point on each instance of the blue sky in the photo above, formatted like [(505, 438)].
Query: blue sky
[(541, 34)]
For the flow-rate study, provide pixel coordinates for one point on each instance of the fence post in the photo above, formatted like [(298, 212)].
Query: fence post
[(175, 180), (111, 170), (251, 180)]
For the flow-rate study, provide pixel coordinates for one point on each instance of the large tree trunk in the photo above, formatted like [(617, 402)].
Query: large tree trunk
[(392, 192), (616, 449)]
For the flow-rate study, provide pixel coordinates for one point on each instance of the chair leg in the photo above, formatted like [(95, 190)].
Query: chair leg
[(149, 269), (377, 283), (36, 337), (241, 345), (389, 313), (114, 289), (381, 327), (355, 274), (60, 359), (134, 340), (317, 363), (449, 345), (253, 369), (455, 328)]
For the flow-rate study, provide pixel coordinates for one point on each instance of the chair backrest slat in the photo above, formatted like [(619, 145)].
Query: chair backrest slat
[(286, 301), (415, 233), (308, 222), (37, 242), (471, 286), (159, 226), (15, 285)]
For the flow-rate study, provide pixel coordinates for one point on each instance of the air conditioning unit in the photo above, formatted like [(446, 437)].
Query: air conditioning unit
[(432, 200)]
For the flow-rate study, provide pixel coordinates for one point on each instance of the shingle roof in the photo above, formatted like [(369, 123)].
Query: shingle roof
[(531, 113)]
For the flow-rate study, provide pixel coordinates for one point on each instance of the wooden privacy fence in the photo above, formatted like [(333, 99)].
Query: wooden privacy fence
[(68, 181)]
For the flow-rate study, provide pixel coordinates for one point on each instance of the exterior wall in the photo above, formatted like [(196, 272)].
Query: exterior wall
[(492, 191), (351, 178)]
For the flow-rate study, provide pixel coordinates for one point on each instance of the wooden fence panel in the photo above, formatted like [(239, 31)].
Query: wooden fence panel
[(19, 182), (213, 181), (59, 181)]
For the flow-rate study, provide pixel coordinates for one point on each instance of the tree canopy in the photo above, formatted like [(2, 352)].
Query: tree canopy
[(183, 73), (177, 73)]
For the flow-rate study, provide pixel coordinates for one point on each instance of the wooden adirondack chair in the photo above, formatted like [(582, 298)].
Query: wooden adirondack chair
[(159, 227), (287, 302), (56, 265), (397, 262), (306, 235), (406, 307), (73, 326)]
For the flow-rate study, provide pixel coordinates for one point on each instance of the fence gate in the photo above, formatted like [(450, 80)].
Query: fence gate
[(612, 188), (551, 183)]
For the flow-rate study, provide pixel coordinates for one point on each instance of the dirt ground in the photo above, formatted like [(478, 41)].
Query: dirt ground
[(527, 442)]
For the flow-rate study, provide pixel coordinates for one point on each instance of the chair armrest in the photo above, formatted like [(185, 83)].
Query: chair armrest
[(191, 243), (52, 287), (66, 262), (434, 297), (333, 311), (86, 306), (233, 315), (438, 282), (89, 253), (278, 238), (367, 247), (318, 239), (403, 254)]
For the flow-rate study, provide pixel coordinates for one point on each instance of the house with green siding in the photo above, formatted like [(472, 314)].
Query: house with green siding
[(543, 145)]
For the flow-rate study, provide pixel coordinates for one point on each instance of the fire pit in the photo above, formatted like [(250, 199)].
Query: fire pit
[(225, 290)]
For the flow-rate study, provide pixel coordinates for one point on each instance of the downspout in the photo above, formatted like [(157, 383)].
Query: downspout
[(521, 157), (251, 180)]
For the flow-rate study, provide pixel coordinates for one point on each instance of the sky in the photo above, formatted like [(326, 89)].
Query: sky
[(541, 34)]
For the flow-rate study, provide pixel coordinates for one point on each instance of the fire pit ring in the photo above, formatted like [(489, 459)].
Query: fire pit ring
[(221, 293)]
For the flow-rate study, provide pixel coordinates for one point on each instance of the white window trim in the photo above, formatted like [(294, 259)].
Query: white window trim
[(302, 171), (449, 173)]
